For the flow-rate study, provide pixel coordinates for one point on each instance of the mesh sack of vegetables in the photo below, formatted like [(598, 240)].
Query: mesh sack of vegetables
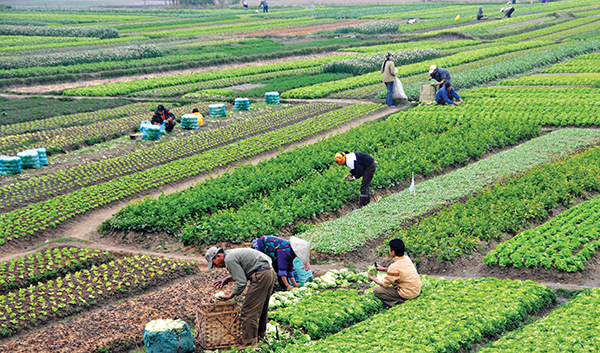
[(151, 132), (166, 336)]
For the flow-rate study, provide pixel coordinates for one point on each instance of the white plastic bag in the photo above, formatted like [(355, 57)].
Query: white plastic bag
[(399, 90)]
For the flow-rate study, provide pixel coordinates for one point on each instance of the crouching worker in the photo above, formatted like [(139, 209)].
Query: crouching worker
[(198, 115), (163, 114), (447, 95), (401, 275), (247, 265)]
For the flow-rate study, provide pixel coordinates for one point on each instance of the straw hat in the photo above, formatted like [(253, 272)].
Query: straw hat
[(301, 249)]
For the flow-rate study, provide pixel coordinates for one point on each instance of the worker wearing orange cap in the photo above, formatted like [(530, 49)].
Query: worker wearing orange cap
[(361, 165)]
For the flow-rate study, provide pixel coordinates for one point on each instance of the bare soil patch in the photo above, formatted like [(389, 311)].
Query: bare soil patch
[(245, 86), (120, 326)]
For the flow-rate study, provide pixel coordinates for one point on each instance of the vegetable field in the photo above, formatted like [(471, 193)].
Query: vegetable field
[(495, 199)]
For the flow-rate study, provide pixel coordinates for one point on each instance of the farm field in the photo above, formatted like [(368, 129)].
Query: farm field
[(104, 227)]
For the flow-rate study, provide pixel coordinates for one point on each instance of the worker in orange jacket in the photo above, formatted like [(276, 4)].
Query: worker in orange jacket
[(163, 114)]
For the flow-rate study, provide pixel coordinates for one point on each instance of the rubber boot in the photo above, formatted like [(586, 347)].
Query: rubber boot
[(364, 200)]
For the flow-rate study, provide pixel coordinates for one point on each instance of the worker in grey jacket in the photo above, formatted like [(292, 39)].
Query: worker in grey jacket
[(247, 265)]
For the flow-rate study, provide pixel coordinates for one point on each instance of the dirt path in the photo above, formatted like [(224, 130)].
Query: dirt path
[(69, 85), (85, 228)]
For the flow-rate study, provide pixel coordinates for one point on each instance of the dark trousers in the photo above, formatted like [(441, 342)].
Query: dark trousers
[(265, 9), (169, 125), (256, 305), (366, 180)]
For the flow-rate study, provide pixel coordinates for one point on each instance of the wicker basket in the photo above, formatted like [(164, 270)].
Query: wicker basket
[(427, 93), (218, 325)]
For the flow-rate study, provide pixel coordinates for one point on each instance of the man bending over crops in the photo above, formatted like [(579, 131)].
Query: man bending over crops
[(247, 265), (447, 95), (507, 11), (439, 74), (163, 114), (361, 165), (401, 275)]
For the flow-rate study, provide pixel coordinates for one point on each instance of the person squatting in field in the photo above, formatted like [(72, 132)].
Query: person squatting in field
[(388, 70), (198, 115), (480, 15), (439, 74), (247, 265), (401, 281), (282, 254), (163, 114), (447, 94), (361, 165)]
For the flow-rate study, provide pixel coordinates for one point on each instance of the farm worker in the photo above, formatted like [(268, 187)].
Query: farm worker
[(447, 94), (480, 13), (247, 265), (388, 71), (507, 11), (263, 3), (245, 4), (361, 165), (282, 254), (196, 112), (401, 275), (439, 74), (163, 114)]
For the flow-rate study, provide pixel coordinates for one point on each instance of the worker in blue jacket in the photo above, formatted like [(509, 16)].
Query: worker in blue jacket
[(439, 74), (447, 94), (361, 165)]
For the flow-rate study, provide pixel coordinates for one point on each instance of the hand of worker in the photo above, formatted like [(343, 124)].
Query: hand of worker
[(351, 178), (462, 101), (381, 268), (456, 104), (170, 119), (372, 278), (226, 297), (429, 79), (219, 284)]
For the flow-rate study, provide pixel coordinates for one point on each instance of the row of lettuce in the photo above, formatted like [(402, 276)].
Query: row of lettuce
[(73, 280), (34, 189), (420, 141), (448, 316), (40, 216)]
